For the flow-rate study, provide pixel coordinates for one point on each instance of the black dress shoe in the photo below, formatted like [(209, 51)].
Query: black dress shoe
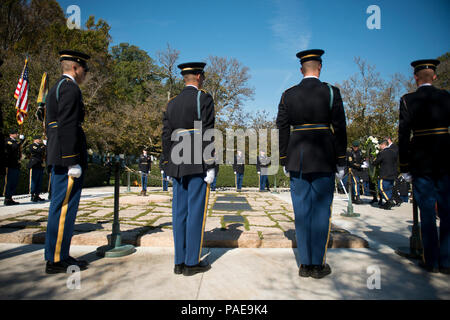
[(357, 201), (305, 270), (203, 266), (73, 261), (178, 269), (10, 202), (39, 198), (319, 272), (59, 267), (428, 268), (33, 199), (444, 270)]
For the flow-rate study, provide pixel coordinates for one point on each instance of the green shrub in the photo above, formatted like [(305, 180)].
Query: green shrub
[(94, 177), (226, 177)]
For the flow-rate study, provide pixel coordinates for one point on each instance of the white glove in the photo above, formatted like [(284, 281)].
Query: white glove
[(162, 172), (170, 179), (235, 172), (365, 165), (286, 173), (340, 172), (407, 176), (21, 137), (45, 142), (75, 171), (259, 172), (209, 176)]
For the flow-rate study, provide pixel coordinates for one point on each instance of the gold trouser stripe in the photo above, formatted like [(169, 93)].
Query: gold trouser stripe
[(29, 186), (328, 237), (355, 185), (423, 247), (208, 187), (434, 129), (6, 182), (363, 191), (62, 220), (381, 188), (49, 181)]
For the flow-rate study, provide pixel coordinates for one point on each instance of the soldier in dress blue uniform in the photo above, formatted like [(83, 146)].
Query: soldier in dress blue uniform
[(239, 168), (191, 171), (36, 167), (67, 156), (144, 169), (12, 163), (164, 180), (262, 164), (425, 159), (311, 153)]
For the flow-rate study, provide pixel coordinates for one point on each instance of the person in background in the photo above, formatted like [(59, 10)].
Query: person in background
[(262, 164), (387, 160), (239, 168), (144, 169), (12, 164), (36, 167)]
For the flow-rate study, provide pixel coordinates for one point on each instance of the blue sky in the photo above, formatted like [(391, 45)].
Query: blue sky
[(265, 35)]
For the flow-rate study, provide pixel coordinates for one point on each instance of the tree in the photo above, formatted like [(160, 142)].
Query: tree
[(371, 103), (443, 72), (168, 60), (227, 82)]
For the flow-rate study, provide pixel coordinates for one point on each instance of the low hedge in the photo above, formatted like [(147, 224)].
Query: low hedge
[(95, 177), (225, 179)]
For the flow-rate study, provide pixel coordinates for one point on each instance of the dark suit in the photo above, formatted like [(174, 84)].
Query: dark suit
[(426, 114), (388, 162), (310, 153), (36, 167), (190, 191), (66, 146), (12, 164)]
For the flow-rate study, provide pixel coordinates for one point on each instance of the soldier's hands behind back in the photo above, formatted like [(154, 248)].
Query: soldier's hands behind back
[(75, 171), (407, 176), (209, 176)]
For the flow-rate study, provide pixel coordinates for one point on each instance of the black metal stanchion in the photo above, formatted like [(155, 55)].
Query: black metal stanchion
[(349, 212), (415, 249), (115, 248)]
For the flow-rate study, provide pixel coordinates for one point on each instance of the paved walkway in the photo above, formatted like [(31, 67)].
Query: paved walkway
[(246, 270)]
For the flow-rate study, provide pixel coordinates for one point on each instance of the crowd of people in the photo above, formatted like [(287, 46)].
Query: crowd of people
[(378, 176)]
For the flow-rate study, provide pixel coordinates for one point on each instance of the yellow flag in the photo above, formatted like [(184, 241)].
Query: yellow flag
[(43, 91)]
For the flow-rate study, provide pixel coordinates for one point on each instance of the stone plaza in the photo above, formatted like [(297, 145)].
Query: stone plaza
[(249, 240)]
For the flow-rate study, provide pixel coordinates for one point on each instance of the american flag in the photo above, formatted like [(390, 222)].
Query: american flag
[(21, 94)]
